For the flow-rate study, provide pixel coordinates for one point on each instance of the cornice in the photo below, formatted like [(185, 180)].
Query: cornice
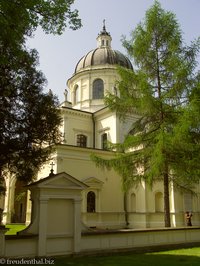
[(76, 112)]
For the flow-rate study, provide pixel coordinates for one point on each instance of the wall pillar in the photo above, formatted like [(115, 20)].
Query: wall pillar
[(42, 227), (28, 208), (77, 225)]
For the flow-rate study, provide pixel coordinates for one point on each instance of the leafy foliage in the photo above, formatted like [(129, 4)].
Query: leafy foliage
[(187, 139), (19, 18), (29, 118), (125, 165)]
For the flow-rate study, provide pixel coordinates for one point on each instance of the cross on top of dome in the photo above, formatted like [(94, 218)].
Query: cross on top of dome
[(104, 39), (104, 29), (104, 24)]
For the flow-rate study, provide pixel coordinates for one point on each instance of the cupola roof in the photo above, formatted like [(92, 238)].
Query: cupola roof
[(103, 54)]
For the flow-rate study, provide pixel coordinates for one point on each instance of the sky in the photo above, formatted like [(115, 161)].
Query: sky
[(58, 55)]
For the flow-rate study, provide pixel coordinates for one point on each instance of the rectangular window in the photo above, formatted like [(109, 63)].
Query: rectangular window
[(81, 140)]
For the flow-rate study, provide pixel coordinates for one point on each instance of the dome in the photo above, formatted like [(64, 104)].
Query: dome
[(103, 54)]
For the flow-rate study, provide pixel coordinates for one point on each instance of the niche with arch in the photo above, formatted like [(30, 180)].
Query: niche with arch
[(159, 202)]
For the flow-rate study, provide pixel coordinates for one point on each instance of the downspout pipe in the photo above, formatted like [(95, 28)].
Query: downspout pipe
[(94, 130)]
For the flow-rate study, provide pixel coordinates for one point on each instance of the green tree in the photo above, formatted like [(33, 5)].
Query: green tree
[(20, 18), (157, 91), (29, 118), (186, 139)]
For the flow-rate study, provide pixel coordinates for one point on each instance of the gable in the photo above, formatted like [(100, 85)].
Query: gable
[(61, 180), (93, 182)]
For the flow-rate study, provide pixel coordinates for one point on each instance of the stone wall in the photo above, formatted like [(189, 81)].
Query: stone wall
[(97, 242)]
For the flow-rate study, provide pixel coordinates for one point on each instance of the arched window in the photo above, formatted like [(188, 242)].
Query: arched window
[(98, 89), (91, 198), (81, 140), (159, 203), (76, 94), (104, 139)]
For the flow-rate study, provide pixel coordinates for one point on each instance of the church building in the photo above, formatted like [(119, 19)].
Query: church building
[(87, 126)]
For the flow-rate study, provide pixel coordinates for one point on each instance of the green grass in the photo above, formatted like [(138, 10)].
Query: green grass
[(181, 257), (14, 228)]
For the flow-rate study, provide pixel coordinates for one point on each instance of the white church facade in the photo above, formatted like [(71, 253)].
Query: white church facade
[(87, 125)]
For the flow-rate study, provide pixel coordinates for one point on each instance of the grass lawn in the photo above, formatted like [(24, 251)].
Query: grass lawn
[(181, 257), (14, 228)]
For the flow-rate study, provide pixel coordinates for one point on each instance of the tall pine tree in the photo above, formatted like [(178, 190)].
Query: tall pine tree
[(157, 91)]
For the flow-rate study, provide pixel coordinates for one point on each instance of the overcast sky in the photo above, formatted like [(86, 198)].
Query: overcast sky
[(58, 55)]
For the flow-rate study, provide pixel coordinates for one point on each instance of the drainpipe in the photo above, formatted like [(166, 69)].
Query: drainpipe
[(94, 131)]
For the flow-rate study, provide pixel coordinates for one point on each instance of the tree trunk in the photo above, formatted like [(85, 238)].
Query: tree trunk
[(166, 198), (125, 209), (2, 196), (165, 174)]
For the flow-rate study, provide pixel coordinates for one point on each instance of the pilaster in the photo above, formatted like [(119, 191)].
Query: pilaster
[(42, 227), (77, 225)]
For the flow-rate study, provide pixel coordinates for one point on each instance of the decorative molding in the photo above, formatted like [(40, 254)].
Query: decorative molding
[(77, 112), (79, 130)]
